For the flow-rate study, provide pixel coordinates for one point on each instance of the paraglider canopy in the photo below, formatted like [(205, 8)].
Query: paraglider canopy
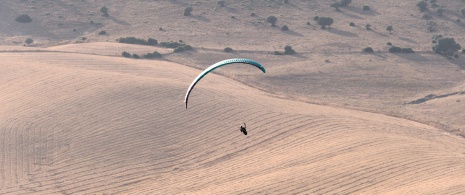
[(217, 65)]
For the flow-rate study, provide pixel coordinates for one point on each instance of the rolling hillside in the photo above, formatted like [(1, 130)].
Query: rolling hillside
[(76, 123)]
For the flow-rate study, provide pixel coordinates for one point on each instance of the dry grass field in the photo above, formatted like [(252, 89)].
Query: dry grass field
[(78, 118)]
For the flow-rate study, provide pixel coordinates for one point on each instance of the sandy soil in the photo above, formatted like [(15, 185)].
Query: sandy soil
[(76, 123)]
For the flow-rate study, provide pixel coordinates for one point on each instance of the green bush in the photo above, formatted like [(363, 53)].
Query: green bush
[(389, 28), (456, 56), (104, 11), (135, 56), (23, 18), (285, 28), (368, 50), (325, 21), (366, 8), (440, 11), (126, 54), (187, 47), (444, 44), (272, 20), (422, 5), (395, 49), (336, 5), (152, 41), (463, 11), (463, 50), (368, 26), (102, 32), (188, 11), (221, 3), (389, 43), (29, 41), (228, 49), (288, 50), (351, 24), (407, 50), (316, 18), (345, 3), (178, 49), (154, 54), (172, 44)]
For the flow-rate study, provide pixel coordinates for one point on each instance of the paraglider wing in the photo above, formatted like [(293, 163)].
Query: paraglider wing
[(217, 65)]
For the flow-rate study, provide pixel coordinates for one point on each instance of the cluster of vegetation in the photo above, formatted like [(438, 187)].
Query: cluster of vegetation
[(287, 51), (23, 18), (272, 20), (139, 41), (341, 3), (368, 50), (29, 41), (222, 3), (325, 21), (445, 45), (366, 8), (154, 54), (178, 46), (228, 50), (395, 49), (188, 11), (104, 11), (102, 32)]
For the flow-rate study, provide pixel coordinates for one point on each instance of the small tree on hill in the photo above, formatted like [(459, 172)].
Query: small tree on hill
[(23, 18), (336, 5), (285, 28), (228, 49), (188, 11), (444, 45), (221, 3), (422, 5), (288, 50), (463, 11), (440, 11), (366, 8), (368, 26), (325, 21), (368, 50), (389, 28), (345, 3), (272, 20), (29, 41), (104, 11)]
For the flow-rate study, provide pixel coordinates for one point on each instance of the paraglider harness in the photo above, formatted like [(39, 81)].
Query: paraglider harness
[(243, 129)]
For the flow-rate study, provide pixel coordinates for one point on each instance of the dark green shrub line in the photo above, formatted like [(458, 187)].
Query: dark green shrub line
[(154, 54), (134, 40)]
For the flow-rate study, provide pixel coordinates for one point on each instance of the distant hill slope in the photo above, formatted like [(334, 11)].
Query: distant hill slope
[(76, 123)]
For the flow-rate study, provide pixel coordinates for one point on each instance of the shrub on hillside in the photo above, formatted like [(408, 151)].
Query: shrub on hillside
[(351, 24), (463, 11), (23, 18), (178, 49), (172, 44), (102, 32), (368, 50), (366, 8), (135, 56), (29, 41), (104, 11), (188, 11), (368, 26), (407, 50), (221, 3), (395, 49), (444, 44), (285, 28), (272, 20), (325, 21), (389, 43), (154, 54), (389, 28), (187, 47), (316, 18), (336, 5), (288, 50), (440, 11), (345, 3), (126, 54), (422, 5), (152, 41), (228, 49)]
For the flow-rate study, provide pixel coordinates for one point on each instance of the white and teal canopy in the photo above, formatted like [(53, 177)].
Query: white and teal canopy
[(217, 65)]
